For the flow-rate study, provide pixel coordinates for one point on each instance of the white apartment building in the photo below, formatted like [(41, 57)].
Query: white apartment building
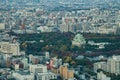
[(23, 75), (112, 65), (39, 68), (25, 63), (10, 48), (102, 76), (100, 65), (46, 76), (47, 55), (41, 73)]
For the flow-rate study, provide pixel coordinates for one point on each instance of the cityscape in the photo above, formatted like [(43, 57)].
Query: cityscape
[(59, 40)]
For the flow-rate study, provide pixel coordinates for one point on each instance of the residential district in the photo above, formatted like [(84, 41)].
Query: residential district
[(37, 17)]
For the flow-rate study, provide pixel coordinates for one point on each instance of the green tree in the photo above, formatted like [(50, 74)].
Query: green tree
[(63, 48)]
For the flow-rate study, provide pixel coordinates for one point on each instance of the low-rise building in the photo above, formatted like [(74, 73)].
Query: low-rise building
[(10, 48), (39, 68), (46, 76), (23, 75)]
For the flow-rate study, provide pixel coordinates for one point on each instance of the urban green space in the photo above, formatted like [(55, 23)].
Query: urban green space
[(62, 42)]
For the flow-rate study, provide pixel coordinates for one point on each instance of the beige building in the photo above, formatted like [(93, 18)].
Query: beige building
[(10, 48), (66, 73)]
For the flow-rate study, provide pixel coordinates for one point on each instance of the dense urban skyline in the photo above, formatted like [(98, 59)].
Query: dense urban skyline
[(59, 40)]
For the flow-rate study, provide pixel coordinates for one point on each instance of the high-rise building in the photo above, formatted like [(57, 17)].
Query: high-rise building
[(66, 73), (47, 55), (100, 65), (25, 63), (112, 65)]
